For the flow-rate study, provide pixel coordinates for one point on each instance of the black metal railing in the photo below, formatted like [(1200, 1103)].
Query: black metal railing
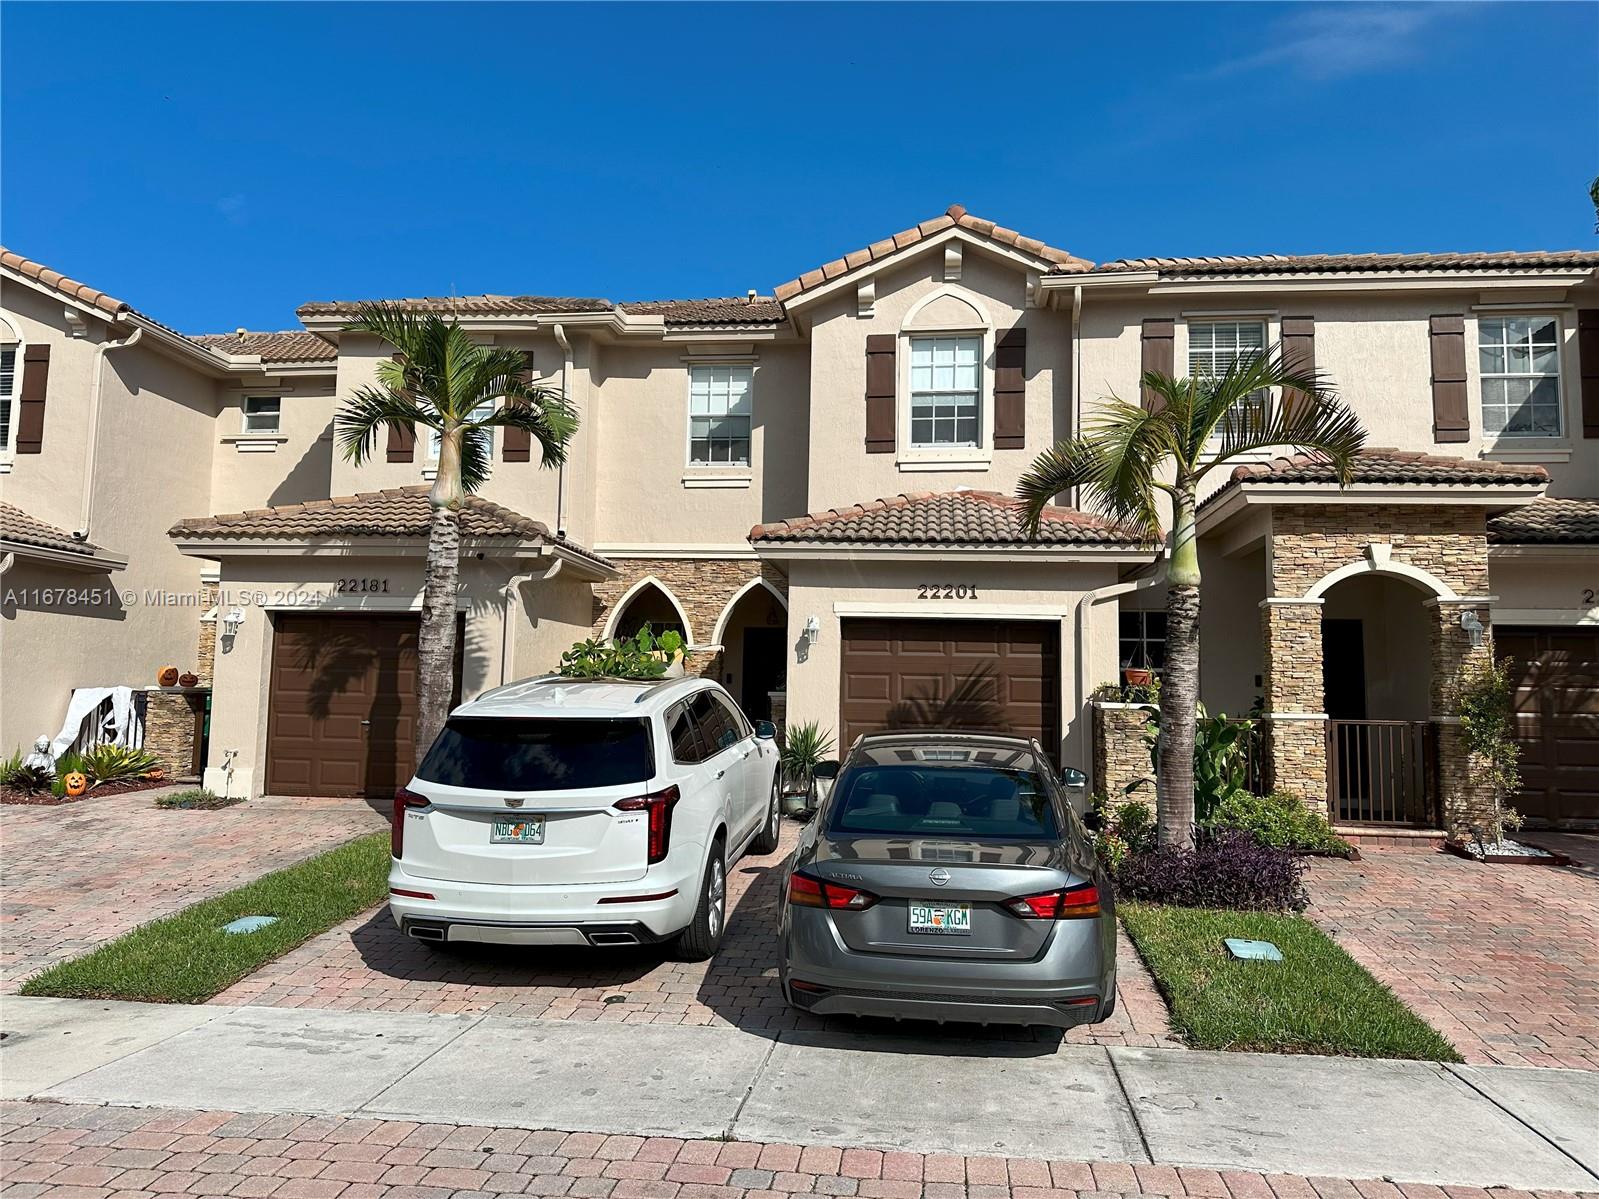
[(1382, 772)]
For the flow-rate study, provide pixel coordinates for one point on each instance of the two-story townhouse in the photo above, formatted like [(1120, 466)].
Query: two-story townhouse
[(813, 488)]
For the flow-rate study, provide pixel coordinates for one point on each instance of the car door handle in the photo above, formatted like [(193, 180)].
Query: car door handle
[(720, 773)]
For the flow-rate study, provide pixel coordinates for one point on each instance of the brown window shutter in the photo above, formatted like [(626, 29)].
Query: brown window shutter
[(30, 400), (1010, 390), (1299, 352), (1588, 368), (1159, 354), (1451, 413), (880, 373), (517, 445), (402, 440)]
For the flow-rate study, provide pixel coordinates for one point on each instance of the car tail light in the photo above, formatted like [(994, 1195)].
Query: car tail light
[(403, 799), (658, 805), (805, 891), (1074, 903)]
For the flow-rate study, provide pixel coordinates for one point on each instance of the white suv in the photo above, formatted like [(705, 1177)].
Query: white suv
[(584, 812)]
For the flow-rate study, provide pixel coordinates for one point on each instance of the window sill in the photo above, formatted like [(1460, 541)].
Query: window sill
[(1527, 449), (973, 459), (255, 443), (696, 478)]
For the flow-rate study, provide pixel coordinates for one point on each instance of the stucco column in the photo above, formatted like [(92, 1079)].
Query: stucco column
[(1461, 799), (1295, 715)]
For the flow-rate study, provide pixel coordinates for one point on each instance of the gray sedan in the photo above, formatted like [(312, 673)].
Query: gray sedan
[(947, 878)]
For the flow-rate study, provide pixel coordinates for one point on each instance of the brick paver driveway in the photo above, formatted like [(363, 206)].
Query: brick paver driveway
[(366, 964), (1503, 960), (79, 874)]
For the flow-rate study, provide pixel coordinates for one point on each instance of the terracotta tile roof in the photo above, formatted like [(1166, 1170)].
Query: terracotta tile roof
[(1548, 521), (955, 215), (394, 512), (486, 305), (17, 526), (730, 310), (967, 518), (292, 345), (71, 288), (1386, 465), (1271, 264)]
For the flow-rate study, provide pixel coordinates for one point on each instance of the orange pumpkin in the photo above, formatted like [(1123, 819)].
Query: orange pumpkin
[(188, 679), (167, 676), (157, 773), (75, 782)]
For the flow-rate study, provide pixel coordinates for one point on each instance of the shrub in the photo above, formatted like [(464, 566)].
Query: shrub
[(108, 763), (1124, 828), (1228, 870), (20, 777), (195, 797), (1485, 703), (1280, 819), (644, 656), (70, 762)]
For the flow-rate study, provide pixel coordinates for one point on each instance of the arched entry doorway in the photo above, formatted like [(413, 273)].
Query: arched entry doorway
[(648, 604), (753, 633), (1377, 635)]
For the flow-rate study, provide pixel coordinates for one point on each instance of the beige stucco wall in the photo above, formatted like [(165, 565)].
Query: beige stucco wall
[(1548, 586), (259, 472), (840, 470), (552, 615), (1009, 591), (645, 485)]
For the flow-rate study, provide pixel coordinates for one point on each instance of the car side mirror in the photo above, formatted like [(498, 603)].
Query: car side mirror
[(766, 730), (1073, 777), (825, 770)]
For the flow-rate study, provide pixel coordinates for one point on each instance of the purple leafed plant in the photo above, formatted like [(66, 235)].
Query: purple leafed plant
[(1227, 870)]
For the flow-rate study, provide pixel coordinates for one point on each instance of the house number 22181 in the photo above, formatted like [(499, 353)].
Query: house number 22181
[(930, 591)]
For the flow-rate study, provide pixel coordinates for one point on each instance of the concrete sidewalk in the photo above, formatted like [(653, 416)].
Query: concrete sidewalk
[(1408, 1121)]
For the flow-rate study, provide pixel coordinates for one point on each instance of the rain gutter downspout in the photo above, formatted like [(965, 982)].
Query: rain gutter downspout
[(560, 472), (512, 593), (93, 439), (1076, 382)]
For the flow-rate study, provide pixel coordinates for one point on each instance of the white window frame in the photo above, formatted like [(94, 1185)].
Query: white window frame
[(1492, 437), (1270, 324), (912, 457), (245, 414), (8, 397), (1143, 638), (975, 340), (692, 465)]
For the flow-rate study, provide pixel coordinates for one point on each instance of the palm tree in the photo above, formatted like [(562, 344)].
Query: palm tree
[(440, 379), (1132, 454)]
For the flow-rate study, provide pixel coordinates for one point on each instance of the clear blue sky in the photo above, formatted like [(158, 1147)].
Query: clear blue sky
[(219, 164)]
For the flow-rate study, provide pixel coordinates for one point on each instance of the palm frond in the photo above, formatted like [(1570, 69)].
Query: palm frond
[(1247, 384), (371, 409), (542, 411), (1326, 426), (1114, 463)]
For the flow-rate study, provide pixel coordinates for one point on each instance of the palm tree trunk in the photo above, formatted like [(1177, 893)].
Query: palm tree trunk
[(435, 652), (1179, 692)]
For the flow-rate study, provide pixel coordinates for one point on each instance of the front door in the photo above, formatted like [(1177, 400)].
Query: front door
[(1343, 657), (763, 670)]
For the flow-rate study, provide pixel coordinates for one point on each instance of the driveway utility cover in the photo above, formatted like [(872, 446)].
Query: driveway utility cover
[(271, 1060), (1027, 1099)]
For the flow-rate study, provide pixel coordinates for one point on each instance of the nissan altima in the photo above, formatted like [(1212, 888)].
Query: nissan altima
[(946, 877)]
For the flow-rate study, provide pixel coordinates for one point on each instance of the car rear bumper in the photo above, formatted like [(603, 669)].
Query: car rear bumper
[(498, 914), (1070, 982)]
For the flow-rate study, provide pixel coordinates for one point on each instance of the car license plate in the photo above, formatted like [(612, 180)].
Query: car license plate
[(529, 830), (951, 919)]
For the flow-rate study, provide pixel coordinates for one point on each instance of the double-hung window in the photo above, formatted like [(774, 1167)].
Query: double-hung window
[(719, 407), (1213, 346), (1519, 359), (946, 375), (8, 389), (262, 414)]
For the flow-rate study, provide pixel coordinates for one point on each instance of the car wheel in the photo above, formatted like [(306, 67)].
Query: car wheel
[(766, 840), (702, 938)]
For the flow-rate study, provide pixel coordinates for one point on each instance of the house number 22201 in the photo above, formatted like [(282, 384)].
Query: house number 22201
[(930, 591)]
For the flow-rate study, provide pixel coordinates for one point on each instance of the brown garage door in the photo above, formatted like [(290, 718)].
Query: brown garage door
[(342, 714), (977, 675), (1557, 715)]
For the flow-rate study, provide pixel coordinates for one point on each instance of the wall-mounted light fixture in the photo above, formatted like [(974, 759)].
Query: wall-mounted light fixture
[(1470, 622), (232, 621), (813, 630)]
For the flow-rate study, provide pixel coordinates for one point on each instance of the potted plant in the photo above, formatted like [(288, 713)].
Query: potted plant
[(1135, 677), (805, 747)]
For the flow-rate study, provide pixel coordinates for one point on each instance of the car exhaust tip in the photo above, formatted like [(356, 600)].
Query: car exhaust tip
[(426, 932), (613, 939)]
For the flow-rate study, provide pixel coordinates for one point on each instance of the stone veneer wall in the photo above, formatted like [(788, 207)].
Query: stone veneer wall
[(702, 585), (1120, 753), (171, 716), (206, 654), (1465, 800), (1310, 541)]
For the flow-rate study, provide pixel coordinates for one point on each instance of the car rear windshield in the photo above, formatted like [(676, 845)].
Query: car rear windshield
[(944, 801), (510, 754)]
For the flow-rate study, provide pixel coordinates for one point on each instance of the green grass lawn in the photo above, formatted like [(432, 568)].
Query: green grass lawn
[(1317, 1000), (186, 958)]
